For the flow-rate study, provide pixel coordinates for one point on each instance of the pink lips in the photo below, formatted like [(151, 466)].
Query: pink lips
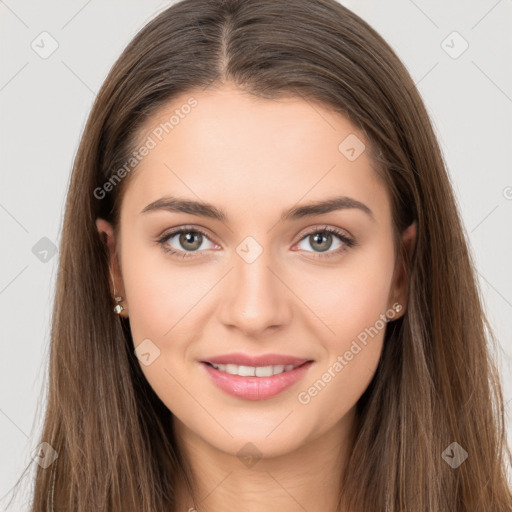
[(256, 388)]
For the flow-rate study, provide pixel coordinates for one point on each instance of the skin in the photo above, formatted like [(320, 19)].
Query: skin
[(256, 158)]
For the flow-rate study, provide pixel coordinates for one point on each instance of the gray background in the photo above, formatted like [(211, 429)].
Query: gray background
[(45, 102)]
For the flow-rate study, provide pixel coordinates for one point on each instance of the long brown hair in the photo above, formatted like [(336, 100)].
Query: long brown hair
[(436, 383)]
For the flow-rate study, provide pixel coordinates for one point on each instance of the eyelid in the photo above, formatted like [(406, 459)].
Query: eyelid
[(168, 233), (326, 228)]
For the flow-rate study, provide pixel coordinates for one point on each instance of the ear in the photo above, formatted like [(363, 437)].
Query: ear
[(399, 289), (107, 235)]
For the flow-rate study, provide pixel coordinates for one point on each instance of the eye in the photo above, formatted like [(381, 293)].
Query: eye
[(185, 241), (321, 240)]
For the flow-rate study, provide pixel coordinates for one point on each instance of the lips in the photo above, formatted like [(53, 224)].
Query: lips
[(255, 377)]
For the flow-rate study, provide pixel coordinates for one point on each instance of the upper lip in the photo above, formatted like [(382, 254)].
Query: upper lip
[(262, 360)]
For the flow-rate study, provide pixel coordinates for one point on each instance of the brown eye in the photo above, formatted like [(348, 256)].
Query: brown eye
[(190, 240)]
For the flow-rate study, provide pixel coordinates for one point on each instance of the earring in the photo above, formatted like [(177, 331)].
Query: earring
[(392, 312), (118, 308)]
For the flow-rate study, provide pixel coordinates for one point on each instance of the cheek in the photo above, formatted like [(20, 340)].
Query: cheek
[(160, 298), (167, 302), (159, 292), (351, 305), (349, 298)]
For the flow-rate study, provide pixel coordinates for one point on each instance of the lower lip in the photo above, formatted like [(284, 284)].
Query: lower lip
[(256, 388)]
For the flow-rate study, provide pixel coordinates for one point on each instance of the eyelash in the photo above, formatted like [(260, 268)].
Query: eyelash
[(348, 242)]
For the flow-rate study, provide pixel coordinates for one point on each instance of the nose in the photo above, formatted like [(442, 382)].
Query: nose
[(255, 297)]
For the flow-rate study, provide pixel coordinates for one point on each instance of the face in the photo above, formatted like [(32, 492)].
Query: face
[(256, 319)]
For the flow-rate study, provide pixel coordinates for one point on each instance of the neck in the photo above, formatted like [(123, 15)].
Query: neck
[(307, 478)]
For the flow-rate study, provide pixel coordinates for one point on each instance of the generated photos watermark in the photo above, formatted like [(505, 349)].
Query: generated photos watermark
[(342, 360), (151, 142)]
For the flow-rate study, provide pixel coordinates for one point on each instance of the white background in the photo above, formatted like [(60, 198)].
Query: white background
[(45, 102)]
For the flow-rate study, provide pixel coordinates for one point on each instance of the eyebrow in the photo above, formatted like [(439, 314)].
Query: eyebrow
[(203, 209)]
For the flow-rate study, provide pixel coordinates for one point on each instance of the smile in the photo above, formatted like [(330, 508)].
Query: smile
[(253, 371), (255, 382)]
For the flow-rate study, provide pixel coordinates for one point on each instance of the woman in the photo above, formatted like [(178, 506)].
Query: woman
[(265, 299)]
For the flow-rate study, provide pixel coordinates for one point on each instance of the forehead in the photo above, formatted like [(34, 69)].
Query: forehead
[(235, 149)]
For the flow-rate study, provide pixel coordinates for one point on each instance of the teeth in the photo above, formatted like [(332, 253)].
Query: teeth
[(253, 371)]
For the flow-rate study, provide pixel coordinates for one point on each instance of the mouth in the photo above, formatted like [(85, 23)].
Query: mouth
[(254, 371), (255, 382)]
